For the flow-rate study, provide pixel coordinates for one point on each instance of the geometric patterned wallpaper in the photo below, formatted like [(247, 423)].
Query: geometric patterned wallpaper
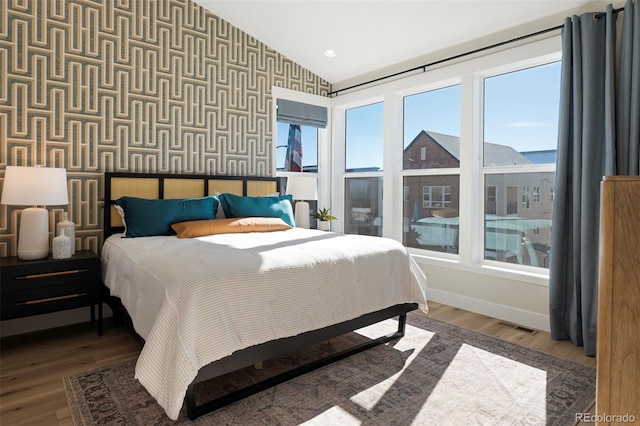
[(132, 85)]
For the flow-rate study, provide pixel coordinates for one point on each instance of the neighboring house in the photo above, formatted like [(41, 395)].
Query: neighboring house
[(431, 150), (517, 207)]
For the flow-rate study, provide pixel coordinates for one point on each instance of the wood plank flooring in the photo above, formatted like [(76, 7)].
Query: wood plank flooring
[(32, 365)]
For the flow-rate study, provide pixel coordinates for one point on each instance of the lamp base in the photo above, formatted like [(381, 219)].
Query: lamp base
[(302, 215), (33, 239)]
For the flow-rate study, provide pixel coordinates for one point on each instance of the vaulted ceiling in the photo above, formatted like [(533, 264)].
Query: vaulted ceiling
[(372, 35)]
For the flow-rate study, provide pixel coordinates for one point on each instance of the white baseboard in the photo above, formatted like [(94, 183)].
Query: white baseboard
[(503, 312)]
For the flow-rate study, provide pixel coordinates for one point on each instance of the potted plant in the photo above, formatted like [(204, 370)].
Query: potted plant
[(324, 216)]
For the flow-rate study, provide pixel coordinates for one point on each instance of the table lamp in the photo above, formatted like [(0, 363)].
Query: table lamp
[(34, 186), (302, 188)]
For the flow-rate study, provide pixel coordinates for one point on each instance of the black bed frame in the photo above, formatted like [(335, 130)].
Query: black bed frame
[(257, 354)]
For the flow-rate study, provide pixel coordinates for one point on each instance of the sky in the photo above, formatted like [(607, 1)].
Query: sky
[(520, 110)]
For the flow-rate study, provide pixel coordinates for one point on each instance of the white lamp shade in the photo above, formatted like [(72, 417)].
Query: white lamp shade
[(303, 187), (35, 186)]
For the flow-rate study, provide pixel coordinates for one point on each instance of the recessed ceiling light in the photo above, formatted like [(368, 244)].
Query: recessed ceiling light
[(330, 53)]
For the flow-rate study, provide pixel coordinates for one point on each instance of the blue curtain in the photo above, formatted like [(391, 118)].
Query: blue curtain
[(598, 128), (628, 101)]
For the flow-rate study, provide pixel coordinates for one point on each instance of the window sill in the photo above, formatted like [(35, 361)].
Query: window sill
[(453, 262)]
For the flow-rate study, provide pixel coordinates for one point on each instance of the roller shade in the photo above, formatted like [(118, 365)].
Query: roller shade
[(303, 114)]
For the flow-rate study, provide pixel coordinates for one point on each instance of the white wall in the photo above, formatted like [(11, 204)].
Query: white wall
[(521, 300)]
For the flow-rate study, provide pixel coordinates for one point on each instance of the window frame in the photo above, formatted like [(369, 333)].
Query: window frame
[(469, 74), (324, 142), (339, 173), (524, 200), (445, 190), (398, 146)]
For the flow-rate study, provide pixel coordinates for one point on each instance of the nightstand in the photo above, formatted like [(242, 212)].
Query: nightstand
[(34, 287)]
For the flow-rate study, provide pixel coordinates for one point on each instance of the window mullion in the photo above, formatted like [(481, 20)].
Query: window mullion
[(392, 197), (470, 158), (338, 175)]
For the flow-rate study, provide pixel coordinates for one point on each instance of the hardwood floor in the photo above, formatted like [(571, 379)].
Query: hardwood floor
[(32, 365), (541, 340)]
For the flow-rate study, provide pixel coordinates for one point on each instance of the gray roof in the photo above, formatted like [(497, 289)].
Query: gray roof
[(494, 154), (541, 157)]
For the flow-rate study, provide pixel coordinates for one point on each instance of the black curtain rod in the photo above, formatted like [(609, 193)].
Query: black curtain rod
[(461, 55), (601, 14)]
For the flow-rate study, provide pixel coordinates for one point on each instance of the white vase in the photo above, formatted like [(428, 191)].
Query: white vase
[(324, 225), (69, 230), (61, 246)]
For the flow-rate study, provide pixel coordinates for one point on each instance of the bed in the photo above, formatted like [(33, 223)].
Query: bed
[(212, 304)]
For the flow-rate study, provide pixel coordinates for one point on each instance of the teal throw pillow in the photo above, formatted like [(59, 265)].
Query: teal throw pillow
[(270, 206), (146, 218)]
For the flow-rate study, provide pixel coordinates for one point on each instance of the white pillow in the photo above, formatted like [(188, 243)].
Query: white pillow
[(220, 213), (121, 213)]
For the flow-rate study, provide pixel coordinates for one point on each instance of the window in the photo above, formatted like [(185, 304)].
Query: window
[(525, 197), (432, 129), (364, 143), (518, 236), (521, 116), (468, 178), (363, 206), (433, 223), (490, 199), (364, 138), (520, 133), (289, 139), (512, 200), (300, 141), (297, 135), (436, 196), (431, 144)]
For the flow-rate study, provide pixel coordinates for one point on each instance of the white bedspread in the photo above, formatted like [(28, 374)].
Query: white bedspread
[(198, 300)]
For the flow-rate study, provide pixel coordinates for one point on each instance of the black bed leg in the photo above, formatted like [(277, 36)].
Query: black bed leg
[(190, 399), (402, 321)]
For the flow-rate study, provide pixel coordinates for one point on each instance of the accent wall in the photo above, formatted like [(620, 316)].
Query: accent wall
[(126, 85)]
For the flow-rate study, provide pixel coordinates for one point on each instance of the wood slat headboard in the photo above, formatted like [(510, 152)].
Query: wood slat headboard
[(172, 186)]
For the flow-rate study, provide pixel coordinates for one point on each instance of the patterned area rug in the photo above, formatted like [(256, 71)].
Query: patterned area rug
[(438, 374)]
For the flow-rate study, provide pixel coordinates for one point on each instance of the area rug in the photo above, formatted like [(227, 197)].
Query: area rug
[(438, 374)]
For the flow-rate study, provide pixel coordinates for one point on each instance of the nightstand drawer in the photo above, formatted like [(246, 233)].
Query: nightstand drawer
[(31, 275), (17, 304)]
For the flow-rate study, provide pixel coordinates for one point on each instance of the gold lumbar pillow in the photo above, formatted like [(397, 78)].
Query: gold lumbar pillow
[(200, 228)]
